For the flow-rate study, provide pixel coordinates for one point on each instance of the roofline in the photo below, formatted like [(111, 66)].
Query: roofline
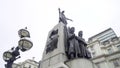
[(100, 33)]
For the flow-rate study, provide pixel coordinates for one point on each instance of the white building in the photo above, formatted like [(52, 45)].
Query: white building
[(26, 64), (105, 49), (15, 65)]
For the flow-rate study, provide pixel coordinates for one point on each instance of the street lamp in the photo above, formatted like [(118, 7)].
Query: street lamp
[(23, 33), (24, 44), (7, 56)]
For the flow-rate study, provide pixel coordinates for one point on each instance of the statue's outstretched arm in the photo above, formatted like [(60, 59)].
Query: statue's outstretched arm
[(69, 19)]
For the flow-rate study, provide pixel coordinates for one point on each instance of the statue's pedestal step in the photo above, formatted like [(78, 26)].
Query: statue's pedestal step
[(80, 63), (59, 65)]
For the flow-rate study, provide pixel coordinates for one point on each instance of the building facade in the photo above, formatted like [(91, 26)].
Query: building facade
[(105, 49), (26, 64), (16, 65)]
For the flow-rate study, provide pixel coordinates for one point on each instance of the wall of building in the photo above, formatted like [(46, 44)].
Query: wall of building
[(26, 64), (105, 49)]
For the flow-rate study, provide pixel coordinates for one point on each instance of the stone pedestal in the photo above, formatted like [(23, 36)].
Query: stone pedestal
[(59, 65), (57, 56), (80, 63)]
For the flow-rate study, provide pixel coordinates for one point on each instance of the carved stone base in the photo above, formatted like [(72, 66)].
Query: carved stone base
[(59, 65), (80, 63)]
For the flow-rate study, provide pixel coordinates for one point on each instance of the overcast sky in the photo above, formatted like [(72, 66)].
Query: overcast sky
[(40, 16)]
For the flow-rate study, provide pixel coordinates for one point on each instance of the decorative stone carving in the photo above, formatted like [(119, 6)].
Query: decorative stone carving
[(52, 43)]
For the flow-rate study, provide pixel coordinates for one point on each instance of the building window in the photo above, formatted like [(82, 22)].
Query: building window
[(106, 42), (116, 63), (98, 65), (118, 47), (93, 54), (110, 50), (114, 39), (29, 66), (61, 67), (91, 48)]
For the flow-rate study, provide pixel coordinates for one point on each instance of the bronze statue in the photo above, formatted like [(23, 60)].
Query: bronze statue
[(71, 43), (76, 45), (82, 44), (62, 17)]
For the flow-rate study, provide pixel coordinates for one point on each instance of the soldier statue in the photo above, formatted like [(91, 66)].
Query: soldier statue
[(83, 46)]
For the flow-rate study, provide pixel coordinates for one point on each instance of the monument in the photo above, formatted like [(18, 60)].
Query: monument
[(64, 49)]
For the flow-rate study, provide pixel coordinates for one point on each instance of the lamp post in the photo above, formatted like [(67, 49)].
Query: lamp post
[(24, 44)]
